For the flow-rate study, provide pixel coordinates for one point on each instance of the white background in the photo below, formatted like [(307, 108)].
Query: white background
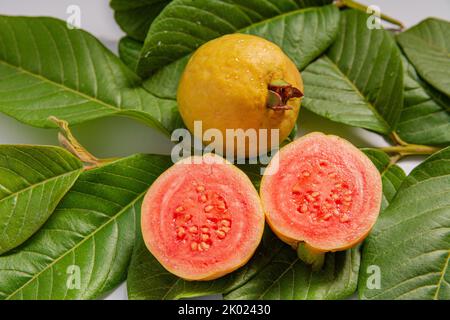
[(121, 136)]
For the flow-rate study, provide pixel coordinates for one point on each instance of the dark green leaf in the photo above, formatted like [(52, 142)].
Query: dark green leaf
[(360, 80), (91, 234), (427, 46), (392, 175), (425, 118), (129, 50), (136, 16), (148, 280), (48, 70), (33, 179), (288, 278), (411, 240), (184, 25), (302, 34)]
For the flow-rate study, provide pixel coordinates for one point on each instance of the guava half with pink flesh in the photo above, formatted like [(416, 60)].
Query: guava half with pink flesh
[(321, 194), (202, 218)]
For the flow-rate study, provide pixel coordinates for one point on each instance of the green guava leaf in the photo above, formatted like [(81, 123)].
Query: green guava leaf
[(303, 34), (288, 278), (407, 254), (129, 50), (184, 25), (33, 179), (148, 280), (84, 249), (359, 81), (392, 175), (47, 70), (135, 16), (425, 118), (427, 46)]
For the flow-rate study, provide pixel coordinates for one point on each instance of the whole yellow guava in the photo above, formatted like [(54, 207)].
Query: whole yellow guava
[(241, 81)]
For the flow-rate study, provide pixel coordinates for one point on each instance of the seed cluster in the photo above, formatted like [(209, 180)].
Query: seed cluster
[(323, 196), (202, 219)]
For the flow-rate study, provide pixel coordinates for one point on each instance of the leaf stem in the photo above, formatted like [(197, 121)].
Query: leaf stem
[(402, 148), (362, 7), (410, 149), (69, 142)]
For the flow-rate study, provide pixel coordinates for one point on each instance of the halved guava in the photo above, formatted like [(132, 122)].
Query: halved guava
[(202, 218), (321, 194)]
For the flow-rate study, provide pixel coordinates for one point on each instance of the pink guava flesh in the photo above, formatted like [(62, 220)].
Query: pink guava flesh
[(325, 193), (204, 220)]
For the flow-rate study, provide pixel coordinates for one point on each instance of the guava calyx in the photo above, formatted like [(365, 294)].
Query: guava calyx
[(280, 92)]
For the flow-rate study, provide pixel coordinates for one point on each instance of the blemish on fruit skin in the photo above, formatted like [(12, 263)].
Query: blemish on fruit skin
[(200, 188), (345, 218)]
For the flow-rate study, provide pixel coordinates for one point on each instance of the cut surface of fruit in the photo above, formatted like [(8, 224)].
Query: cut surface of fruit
[(323, 191), (202, 218)]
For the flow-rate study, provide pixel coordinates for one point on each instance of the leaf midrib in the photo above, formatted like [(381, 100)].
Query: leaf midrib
[(441, 279), (266, 21), (35, 185), (369, 104), (290, 267), (89, 236), (66, 88)]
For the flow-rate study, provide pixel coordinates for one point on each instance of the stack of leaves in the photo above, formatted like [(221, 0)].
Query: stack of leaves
[(57, 218)]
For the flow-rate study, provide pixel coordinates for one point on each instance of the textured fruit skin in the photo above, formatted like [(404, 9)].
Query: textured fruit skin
[(225, 85), (223, 257), (309, 232)]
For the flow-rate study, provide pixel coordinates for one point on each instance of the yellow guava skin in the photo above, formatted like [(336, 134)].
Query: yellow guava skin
[(225, 85)]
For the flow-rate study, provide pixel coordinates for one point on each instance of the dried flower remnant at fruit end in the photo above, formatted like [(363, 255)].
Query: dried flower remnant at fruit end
[(280, 92)]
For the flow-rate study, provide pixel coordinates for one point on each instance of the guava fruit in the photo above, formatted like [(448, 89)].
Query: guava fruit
[(321, 194), (241, 81), (202, 218)]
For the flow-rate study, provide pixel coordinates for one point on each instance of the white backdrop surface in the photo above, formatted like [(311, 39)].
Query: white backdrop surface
[(121, 136)]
